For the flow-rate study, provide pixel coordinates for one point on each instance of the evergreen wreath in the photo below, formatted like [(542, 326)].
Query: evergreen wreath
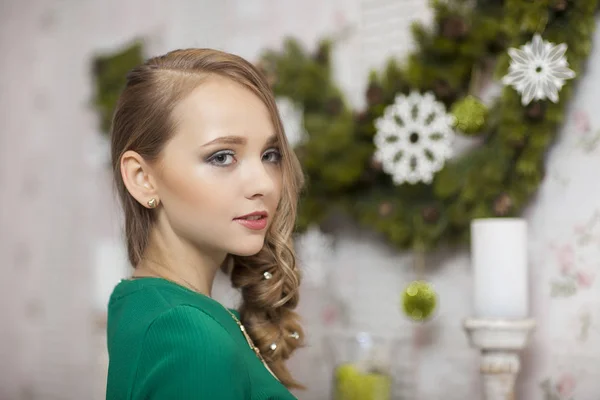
[(467, 41)]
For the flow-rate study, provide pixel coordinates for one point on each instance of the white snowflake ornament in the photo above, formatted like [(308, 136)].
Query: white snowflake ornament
[(538, 70), (414, 138), (292, 118)]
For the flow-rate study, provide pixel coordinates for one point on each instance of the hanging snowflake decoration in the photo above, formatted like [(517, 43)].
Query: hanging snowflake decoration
[(292, 117), (538, 70), (414, 138)]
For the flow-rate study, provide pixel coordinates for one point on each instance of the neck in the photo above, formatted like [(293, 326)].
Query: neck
[(170, 257)]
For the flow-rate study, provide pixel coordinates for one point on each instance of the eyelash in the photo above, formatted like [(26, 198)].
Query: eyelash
[(212, 158)]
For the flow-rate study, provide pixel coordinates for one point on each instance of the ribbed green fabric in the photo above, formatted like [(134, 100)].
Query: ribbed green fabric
[(168, 342)]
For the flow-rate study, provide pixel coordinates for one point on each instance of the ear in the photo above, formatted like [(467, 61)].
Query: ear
[(139, 179)]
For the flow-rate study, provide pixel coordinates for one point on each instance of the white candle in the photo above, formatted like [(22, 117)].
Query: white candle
[(499, 262)]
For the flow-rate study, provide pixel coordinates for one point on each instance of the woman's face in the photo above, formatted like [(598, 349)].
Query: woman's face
[(222, 164)]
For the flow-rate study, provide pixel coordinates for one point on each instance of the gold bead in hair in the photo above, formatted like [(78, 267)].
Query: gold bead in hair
[(273, 346), (152, 203)]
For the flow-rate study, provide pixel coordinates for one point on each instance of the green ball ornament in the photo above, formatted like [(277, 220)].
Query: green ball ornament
[(469, 115), (419, 300)]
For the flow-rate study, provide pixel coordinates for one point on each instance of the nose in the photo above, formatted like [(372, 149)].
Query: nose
[(259, 179)]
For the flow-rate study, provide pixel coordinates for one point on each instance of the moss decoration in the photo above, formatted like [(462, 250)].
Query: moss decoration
[(470, 115), (496, 179), (419, 300), (110, 71)]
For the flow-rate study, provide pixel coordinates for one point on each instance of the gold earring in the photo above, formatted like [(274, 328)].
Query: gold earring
[(152, 203)]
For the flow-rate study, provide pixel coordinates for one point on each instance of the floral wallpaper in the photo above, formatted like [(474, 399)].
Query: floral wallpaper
[(564, 359)]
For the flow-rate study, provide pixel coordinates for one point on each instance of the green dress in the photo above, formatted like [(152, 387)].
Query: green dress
[(168, 342)]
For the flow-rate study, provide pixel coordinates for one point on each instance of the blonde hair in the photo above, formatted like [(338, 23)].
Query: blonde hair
[(142, 122)]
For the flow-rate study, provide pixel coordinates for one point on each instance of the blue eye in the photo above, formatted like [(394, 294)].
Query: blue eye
[(222, 158), (272, 156)]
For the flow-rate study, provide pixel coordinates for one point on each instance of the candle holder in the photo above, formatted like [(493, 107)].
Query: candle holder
[(500, 341)]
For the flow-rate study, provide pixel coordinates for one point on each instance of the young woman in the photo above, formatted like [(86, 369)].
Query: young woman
[(207, 181)]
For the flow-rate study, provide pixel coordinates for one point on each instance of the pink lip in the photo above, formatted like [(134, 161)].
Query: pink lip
[(254, 224)]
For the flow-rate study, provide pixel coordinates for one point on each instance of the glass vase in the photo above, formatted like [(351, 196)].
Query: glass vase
[(363, 365)]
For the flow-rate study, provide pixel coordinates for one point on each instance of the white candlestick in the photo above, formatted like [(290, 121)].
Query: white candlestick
[(499, 261), (500, 342)]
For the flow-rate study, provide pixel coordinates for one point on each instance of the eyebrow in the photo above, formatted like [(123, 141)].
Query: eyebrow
[(238, 140)]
